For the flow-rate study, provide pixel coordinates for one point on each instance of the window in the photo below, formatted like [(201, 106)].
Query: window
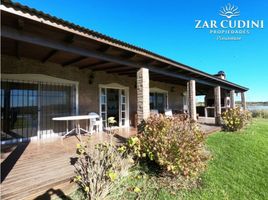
[(158, 101), (28, 107)]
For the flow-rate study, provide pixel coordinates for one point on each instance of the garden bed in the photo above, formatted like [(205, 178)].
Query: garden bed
[(238, 170)]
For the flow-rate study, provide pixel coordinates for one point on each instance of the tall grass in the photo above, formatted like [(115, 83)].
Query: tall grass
[(260, 114)]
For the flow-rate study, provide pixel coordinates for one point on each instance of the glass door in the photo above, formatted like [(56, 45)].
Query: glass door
[(55, 101), (27, 108), (19, 110), (123, 107), (113, 103), (103, 106)]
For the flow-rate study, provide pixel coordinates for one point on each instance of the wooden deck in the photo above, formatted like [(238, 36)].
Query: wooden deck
[(206, 120), (39, 170)]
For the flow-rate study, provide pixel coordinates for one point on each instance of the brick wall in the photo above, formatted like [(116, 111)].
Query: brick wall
[(88, 93)]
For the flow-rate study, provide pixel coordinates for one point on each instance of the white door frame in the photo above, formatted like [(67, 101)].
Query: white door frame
[(119, 87)]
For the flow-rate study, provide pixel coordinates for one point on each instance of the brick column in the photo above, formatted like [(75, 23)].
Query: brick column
[(217, 104), (232, 99), (143, 94), (243, 100), (191, 93)]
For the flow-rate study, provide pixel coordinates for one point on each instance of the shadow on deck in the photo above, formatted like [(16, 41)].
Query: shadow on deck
[(43, 169)]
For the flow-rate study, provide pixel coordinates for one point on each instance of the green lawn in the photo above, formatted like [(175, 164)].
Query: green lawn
[(238, 170)]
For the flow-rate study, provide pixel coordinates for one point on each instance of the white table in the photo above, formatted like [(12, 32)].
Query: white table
[(77, 128)]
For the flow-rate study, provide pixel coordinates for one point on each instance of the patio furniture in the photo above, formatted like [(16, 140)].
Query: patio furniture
[(95, 122), (77, 119), (168, 113), (185, 108), (154, 112)]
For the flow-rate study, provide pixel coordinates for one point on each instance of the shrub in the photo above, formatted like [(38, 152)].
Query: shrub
[(260, 113), (100, 170), (174, 143), (235, 119)]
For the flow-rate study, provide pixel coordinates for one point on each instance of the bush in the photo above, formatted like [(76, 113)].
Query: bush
[(260, 113), (100, 170), (174, 143), (235, 119)]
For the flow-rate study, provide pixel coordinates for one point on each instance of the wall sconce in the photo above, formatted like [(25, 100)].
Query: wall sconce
[(172, 89), (91, 78)]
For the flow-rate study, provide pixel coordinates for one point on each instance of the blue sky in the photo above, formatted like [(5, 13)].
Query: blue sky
[(167, 28)]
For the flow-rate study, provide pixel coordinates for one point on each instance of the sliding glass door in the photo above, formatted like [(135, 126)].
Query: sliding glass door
[(27, 108), (55, 101), (19, 110)]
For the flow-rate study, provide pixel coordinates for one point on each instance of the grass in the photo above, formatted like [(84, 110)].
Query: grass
[(238, 170)]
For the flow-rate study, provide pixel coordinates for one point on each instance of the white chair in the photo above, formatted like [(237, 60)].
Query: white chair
[(95, 122), (154, 112), (185, 109), (168, 113)]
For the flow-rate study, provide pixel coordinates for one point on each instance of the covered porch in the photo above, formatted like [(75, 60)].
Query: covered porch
[(56, 68), (53, 68)]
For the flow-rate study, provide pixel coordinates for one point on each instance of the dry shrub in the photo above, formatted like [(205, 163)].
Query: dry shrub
[(99, 171), (174, 143), (235, 119)]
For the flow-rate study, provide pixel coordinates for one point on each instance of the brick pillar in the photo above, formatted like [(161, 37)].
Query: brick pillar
[(232, 99), (217, 104), (191, 99), (243, 100), (143, 94)]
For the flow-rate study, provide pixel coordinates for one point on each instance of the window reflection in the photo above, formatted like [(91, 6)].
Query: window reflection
[(19, 108), (158, 101)]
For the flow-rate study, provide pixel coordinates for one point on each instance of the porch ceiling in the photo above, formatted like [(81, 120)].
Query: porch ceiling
[(24, 37)]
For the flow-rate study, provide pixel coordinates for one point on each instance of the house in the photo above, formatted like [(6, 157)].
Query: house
[(51, 68)]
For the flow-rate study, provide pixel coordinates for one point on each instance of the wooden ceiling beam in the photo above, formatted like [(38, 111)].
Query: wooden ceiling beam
[(69, 38), (73, 61), (118, 69), (24, 36), (104, 66), (107, 67), (104, 48), (128, 55), (128, 72), (49, 55), (93, 64)]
